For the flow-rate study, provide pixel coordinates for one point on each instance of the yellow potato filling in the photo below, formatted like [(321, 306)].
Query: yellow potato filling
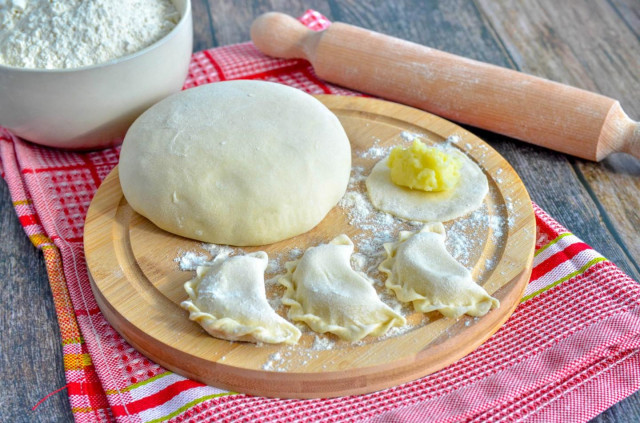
[(424, 168)]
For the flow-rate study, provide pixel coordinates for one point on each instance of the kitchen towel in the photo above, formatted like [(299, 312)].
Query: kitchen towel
[(570, 350)]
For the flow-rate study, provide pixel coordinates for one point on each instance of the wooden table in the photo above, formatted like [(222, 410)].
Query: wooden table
[(593, 45)]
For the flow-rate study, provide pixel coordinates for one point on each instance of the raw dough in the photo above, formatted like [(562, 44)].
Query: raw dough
[(420, 270), (227, 298), (329, 296), (237, 162), (423, 206)]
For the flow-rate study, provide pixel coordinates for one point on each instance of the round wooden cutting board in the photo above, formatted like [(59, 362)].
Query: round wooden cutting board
[(138, 283)]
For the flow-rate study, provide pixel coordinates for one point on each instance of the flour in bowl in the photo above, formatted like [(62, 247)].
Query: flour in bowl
[(62, 34)]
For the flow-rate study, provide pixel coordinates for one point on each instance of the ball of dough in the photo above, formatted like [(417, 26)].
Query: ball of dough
[(238, 162)]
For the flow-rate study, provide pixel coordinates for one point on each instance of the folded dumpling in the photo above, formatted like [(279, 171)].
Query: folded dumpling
[(420, 270), (324, 292), (228, 299)]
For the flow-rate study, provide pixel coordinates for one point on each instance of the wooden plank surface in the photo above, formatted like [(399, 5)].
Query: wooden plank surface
[(30, 350), (589, 44), (547, 39)]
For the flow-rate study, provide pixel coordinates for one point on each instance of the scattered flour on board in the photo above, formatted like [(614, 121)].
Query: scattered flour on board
[(191, 260), (280, 361), (274, 266), (273, 362), (408, 136), (375, 151), (321, 343), (223, 250), (295, 253), (63, 34)]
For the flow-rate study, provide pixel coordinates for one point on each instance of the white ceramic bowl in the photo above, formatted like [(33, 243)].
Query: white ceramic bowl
[(93, 106)]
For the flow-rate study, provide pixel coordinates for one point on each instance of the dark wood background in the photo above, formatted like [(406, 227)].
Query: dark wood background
[(589, 44)]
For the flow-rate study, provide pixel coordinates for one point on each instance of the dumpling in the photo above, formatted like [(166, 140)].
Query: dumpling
[(324, 292), (420, 270), (227, 298)]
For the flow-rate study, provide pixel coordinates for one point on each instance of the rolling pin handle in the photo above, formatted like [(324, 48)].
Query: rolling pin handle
[(633, 141), (280, 35), (620, 134)]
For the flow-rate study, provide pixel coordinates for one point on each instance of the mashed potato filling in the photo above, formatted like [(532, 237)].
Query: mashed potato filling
[(424, 168)]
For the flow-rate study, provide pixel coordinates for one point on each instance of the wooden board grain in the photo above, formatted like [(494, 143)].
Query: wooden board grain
[(138, 283)]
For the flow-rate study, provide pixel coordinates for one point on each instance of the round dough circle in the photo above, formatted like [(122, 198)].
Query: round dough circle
[(424, 206), (238, 162)]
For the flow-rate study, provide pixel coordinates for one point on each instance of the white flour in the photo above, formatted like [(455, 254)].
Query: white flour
[(60, 34), (191, 260)]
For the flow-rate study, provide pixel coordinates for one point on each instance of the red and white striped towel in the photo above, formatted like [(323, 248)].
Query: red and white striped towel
[(570, 350)]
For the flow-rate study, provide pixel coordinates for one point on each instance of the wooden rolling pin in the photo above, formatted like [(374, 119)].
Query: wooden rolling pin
[(528, 108)]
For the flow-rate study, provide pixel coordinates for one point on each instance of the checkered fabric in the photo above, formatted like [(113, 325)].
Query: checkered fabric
[(570, 350)]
